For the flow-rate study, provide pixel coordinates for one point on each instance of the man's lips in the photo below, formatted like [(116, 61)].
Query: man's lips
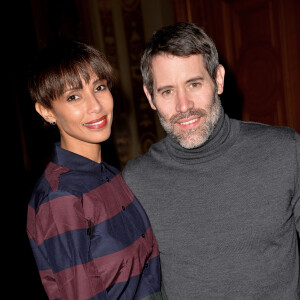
[(97, 124), (189, 123)]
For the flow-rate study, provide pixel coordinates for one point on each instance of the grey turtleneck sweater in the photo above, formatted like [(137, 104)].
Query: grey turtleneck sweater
[(226, 214)]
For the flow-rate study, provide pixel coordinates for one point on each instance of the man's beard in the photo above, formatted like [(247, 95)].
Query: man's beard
[(195, 137)]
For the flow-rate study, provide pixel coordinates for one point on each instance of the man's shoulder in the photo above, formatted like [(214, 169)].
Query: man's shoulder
[(145, 161), (265, 131)]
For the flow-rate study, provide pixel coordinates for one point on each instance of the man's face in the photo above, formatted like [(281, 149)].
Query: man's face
[(185, 97)]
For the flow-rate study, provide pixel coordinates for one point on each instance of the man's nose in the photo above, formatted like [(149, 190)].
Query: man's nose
[(183, 101)]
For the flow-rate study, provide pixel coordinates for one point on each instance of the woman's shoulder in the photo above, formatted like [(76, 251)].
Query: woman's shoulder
[(47, 186)]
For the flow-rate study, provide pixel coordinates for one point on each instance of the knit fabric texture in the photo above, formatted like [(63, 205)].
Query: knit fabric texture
[(226, 214)]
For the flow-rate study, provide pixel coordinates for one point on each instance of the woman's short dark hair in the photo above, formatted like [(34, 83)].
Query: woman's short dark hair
[(65, 63), (180, 39)]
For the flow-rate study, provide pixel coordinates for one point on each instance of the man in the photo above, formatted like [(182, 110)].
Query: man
[(222, 194)]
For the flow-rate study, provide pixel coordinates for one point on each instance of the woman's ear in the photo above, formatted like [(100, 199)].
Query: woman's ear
[(45, 112)]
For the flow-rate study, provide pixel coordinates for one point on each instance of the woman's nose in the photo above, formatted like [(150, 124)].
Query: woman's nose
[(94, 104)]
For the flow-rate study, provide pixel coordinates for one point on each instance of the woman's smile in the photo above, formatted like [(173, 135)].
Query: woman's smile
[(96, 124)]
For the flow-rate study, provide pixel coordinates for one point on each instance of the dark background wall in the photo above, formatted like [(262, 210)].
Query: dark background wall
[(18, 44), (27, 144)]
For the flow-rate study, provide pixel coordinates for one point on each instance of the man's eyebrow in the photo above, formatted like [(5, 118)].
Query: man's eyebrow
[(198, 78), (165, 87)]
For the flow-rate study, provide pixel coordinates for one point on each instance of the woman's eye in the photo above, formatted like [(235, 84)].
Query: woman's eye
[(101, 87), (72, 98)]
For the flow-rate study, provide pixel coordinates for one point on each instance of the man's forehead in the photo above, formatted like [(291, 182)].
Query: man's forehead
[(165, 61), (166, 68), (163, 55)]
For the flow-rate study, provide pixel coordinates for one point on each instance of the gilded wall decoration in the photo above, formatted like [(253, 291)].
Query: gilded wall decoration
[(120, 129), (134, 32)]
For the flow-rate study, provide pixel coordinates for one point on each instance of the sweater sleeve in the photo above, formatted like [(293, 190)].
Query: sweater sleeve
[(296, 195)]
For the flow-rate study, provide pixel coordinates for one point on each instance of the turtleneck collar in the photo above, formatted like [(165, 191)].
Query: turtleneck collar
[(221, 139)]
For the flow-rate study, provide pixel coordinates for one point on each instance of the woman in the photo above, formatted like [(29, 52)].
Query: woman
[(90, 236)]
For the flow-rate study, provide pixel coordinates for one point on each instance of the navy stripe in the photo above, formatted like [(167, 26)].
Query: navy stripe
[(72, 248), (67, 249), (40, 198), (41, 261), (42, 188), (120, 291), (75, 183), (71, 183), (151, 280), (101, 296), (137, 287), (141, 213), (120, 231)]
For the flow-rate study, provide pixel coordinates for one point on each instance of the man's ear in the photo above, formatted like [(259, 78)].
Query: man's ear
[(149, 97), (220, 76), (45, 112)]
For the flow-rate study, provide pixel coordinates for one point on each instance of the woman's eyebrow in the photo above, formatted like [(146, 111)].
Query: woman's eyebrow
[(72, 89)]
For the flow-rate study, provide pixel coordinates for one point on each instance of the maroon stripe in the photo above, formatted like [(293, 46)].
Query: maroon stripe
[(31, 222), (52, 173), (94, 277), (58, 216), (68, 213), (50, 285)]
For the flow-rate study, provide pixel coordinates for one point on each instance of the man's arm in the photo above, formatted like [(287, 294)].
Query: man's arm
[(296, 196)]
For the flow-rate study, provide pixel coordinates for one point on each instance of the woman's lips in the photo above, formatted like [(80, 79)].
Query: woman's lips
[(97, 124)]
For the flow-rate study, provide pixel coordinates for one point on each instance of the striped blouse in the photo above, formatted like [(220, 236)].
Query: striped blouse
[(90, 236)]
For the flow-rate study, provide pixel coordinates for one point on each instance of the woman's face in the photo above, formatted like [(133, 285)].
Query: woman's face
[(83, 115)]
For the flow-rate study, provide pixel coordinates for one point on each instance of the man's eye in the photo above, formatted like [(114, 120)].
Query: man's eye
[(167, 92), (72, 98), (194, 84)]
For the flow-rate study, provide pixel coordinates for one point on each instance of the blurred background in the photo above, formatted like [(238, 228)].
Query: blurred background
[(258, 43)]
